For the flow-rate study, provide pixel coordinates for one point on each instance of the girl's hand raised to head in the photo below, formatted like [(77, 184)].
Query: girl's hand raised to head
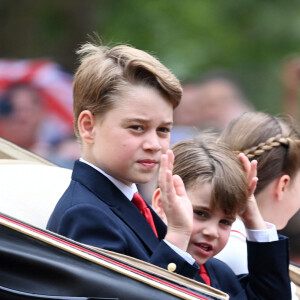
[(251, 216), (176, 204)]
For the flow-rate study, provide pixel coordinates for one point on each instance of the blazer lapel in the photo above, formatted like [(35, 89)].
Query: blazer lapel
[(137, 222), (212, 274), (107, 192)]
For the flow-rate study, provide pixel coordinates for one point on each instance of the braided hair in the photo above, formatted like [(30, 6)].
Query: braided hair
[(268, 145), (273, 141)]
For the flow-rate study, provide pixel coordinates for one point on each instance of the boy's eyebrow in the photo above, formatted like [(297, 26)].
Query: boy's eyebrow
[(197, 207), (144, 120)]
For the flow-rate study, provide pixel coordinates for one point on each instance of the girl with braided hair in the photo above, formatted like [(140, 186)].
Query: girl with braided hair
[(274, 142)]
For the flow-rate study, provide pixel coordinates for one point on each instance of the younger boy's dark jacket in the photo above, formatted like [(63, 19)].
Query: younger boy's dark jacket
[(268, 276)]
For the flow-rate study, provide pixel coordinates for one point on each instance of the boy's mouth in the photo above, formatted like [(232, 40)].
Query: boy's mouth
[(204, 248), (148, 163)]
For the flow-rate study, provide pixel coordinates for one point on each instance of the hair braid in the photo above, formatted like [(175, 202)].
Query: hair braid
[(268, 145)]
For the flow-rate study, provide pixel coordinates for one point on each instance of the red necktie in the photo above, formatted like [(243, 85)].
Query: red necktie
[(204, 275), (139, 202)]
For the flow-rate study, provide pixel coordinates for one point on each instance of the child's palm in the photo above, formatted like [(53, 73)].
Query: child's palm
[(251, 216), (180, 211), (176, 204)]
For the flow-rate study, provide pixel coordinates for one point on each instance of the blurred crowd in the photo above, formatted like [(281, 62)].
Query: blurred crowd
[(36, 109)]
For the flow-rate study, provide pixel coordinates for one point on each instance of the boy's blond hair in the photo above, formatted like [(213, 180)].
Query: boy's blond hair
[(203, 160), (106, 72)]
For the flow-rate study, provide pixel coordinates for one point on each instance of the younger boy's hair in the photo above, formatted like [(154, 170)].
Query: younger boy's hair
[(105, 73), (203, 160), (273, 141)]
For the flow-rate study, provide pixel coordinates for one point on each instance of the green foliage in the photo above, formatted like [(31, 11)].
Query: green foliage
[(250, 38)]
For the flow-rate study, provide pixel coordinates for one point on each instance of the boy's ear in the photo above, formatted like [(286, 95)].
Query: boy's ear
[(281, 186), (157, 205), (86, 123)]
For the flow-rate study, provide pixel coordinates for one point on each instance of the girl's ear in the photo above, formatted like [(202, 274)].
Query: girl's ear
[(86, 124), (157, 205), (281, 186)]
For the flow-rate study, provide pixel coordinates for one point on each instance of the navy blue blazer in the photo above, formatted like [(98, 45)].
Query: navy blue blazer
[(95, 212), (268, 277)]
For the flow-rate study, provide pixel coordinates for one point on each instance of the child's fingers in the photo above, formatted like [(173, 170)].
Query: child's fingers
[(252, 185), (245, 162), (179, 186), (170, 156), (249, 167), (246, 166), (252, 175), (169, 190), (165, 180), (253, 169), (162, 172)]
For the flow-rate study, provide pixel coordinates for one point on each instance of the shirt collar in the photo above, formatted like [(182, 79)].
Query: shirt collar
[(128, 191)]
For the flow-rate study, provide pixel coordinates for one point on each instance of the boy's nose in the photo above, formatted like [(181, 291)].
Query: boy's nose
[(152, 142), (211, 230)]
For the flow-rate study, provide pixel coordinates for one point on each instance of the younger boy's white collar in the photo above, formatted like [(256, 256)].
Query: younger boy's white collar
[(125, 189)]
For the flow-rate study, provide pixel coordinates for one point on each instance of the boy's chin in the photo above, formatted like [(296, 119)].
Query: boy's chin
[(201, 261), (137, 179), (143, 179)]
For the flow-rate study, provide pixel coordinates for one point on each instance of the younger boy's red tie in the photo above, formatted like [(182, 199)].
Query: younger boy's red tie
[(140, 203), (204, 275)]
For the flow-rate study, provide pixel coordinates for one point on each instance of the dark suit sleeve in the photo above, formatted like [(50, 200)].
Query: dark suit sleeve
[(96, 226), (164, 255), (92, 226), (268, 265), (268, 277)]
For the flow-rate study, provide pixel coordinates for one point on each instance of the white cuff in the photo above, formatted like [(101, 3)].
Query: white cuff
[(182, 253), (267, 235)]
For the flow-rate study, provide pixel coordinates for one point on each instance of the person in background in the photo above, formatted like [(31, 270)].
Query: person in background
[(274, 142), (21, 114), (209, 102), (22, 122)]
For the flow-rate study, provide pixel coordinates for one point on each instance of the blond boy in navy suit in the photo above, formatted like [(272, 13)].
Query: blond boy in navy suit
[(123, 113)]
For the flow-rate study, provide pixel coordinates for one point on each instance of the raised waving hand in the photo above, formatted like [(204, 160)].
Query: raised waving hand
[(176, 204)]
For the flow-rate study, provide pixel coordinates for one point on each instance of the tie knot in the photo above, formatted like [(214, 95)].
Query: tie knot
[(139, 202)]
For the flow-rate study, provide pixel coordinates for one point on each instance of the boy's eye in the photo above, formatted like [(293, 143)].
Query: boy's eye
[(226, 222), (136, 127), (164, 129), (200, 213)]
